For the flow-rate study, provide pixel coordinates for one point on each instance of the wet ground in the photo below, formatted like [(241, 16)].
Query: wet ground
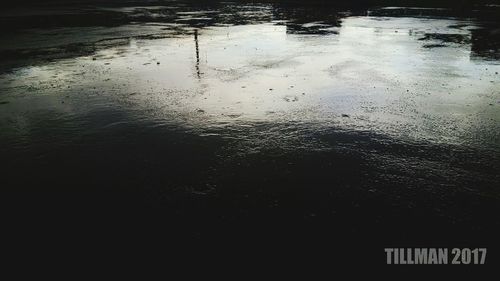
[(256, 122)]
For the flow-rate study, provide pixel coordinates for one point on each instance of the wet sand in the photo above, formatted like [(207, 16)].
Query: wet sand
[(258, 123)]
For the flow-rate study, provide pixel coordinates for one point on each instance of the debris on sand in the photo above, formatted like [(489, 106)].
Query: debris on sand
[(431, 46), (291, 98), (200, 111), (345, 115), (157, 63)]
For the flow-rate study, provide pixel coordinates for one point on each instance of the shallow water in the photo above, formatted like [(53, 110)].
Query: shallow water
[(261, 111), (402, 77)]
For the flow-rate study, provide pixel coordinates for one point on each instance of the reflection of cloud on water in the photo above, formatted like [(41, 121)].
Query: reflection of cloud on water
[(368, 77)]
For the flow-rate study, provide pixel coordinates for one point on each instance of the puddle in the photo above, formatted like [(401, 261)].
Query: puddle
[(315, 107)]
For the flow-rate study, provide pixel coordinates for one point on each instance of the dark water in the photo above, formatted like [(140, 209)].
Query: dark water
[(293, 127)]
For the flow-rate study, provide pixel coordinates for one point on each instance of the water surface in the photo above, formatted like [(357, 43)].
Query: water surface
[(359, 120)]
